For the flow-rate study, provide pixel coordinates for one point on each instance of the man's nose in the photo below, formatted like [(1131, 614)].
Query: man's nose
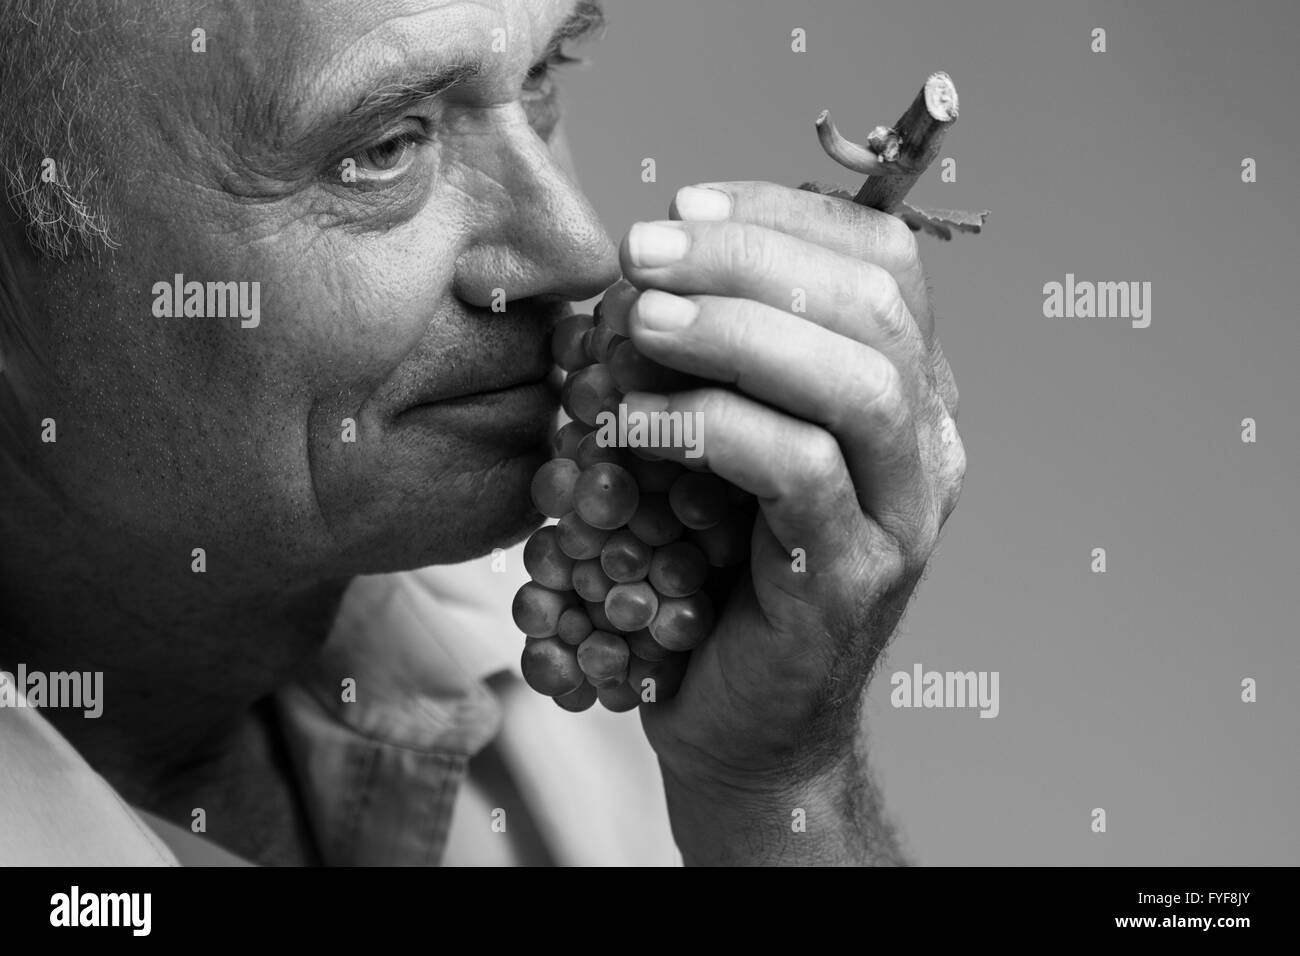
[(535, 235)]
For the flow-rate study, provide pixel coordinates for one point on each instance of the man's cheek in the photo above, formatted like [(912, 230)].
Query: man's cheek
[(176, 465), (171, 427)]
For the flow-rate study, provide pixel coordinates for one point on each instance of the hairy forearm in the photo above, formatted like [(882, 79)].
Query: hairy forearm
[(836, 820)]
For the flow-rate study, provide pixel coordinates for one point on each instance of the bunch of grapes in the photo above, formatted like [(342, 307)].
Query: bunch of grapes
[(624, 586)]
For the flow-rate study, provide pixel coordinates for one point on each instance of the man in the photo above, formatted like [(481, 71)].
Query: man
[(219, 508)]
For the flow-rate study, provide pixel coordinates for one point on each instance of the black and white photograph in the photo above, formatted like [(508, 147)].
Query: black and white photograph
[(613, 433)]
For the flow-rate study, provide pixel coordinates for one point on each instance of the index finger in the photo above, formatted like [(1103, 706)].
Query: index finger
[(846, 227)]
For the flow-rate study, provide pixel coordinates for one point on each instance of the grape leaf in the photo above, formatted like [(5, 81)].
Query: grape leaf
[(940, 223), (828, 189)]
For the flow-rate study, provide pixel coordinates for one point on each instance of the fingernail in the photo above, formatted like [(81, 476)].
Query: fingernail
[(702, 205), (652, 244), (665, 312)]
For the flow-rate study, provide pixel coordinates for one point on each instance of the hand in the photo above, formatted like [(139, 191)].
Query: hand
[(841, 420)]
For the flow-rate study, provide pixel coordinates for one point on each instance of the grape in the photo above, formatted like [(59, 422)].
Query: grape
[(682, 623), (667, 675), (589, 391), (616, 304), (605, 496), (630, 369), (600, 342), (545, 562), (622, 698), (621, 585), (591, 451), (642, 645), (537, 609), (677, 570), (654, 476), (552, 487), (590, 581), (632, 606), (603, 658), (727, 542), (633, 372), (698, 500), (596, 612), (567, 342), (551, 667), (565, 442), (625, 557), (654, 521), (579, 539), (574, 626), (575, 702)]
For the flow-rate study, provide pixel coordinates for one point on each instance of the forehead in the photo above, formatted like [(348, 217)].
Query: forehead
[(280, 64)]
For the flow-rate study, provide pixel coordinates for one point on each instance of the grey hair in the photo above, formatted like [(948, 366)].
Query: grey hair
[(45, 78)]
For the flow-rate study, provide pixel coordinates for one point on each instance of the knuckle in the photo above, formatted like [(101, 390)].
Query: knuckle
[(898, 244), (743, 330), (945, 380), (887, 408), (916, 530), (814, 466), (741, 249), (824, 465), (890, 563), (731, 327), (716, 408), (953, 395), (894, 318), (875, 291), (927, 534), (954, 474)]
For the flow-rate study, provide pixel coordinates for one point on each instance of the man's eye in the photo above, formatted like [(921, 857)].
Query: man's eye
[(385, 160), (542, 76)]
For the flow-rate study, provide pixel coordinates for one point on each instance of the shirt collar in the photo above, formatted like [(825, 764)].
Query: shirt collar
[(382, 724), (416, 647), (466, 610)]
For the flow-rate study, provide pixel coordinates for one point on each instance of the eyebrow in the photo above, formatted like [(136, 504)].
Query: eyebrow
[(585, 21)]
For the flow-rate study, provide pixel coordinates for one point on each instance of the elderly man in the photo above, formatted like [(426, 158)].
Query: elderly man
[(223, 513)]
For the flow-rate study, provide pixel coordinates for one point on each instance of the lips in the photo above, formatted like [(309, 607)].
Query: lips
[(487, 393), (484, 379), (496, 360)]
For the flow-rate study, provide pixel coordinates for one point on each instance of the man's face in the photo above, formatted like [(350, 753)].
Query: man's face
[(376, 294)]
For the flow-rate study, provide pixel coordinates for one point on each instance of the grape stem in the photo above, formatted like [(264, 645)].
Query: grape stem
[(895, 157), (861, 159)]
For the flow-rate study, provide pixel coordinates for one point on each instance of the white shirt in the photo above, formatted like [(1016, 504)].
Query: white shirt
[(435, 752)]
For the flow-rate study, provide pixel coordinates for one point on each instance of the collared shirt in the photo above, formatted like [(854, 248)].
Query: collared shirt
[(413, 740)]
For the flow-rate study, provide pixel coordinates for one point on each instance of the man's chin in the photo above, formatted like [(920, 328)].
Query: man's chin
[(467, 517)]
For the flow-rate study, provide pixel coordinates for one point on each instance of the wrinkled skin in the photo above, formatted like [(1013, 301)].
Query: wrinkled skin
[(376, 298)]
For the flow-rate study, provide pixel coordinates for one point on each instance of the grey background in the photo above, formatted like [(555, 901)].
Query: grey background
[(1119, 690)]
